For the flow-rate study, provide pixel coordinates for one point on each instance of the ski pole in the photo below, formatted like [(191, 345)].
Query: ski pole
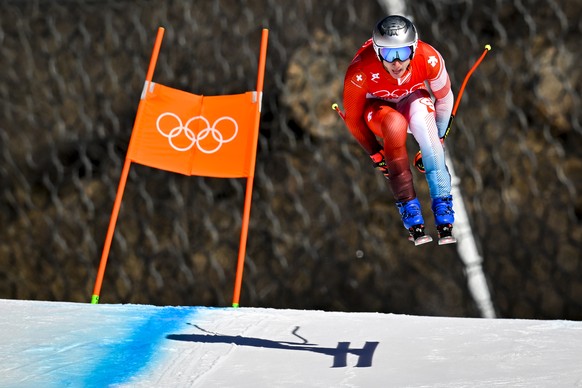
[(462, 89)]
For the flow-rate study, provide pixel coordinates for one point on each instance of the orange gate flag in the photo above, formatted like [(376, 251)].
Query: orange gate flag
[(214, 136)]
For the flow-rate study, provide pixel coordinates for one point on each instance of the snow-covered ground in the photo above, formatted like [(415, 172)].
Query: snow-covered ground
[(58, 344)]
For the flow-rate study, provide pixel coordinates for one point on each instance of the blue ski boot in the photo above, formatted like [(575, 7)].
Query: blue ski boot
[(413, 221), (444, 217)]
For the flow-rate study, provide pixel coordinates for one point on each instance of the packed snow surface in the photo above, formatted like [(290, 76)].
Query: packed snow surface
[(60, 344)]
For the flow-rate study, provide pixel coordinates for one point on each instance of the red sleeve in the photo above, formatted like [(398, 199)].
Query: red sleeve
[(438, 78), (354, 105), (440, 85)]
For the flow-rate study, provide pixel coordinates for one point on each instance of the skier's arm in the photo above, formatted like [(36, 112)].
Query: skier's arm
[(440, 86)]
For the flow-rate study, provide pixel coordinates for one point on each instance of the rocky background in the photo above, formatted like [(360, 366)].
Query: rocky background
[(324, 231)]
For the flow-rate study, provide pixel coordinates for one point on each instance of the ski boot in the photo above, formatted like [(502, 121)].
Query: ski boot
[(413, 221), (444, 217)]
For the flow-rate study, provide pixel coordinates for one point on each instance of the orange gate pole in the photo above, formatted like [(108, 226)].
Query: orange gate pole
[(123, 180), (250, 179)]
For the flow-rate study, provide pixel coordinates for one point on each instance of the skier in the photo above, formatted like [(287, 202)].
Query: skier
[(397, 84)]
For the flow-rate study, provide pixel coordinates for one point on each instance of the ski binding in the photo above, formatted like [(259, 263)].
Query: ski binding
[(417, 235), (445, 232)]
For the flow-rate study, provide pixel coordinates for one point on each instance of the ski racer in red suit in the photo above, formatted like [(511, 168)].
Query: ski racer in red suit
[(397, 84)]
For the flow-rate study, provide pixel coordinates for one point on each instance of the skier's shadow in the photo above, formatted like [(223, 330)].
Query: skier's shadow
[(339, 353)]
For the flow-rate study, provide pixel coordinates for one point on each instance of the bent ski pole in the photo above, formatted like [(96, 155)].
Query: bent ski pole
[(462, 89)]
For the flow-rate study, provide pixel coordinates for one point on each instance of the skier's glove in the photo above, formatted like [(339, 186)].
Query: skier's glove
[(418, 159), (418, 162), (380, 163)]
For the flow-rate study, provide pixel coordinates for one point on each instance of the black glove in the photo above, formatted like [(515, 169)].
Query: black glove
[(380, 163)]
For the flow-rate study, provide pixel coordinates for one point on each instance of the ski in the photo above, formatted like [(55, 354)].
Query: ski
[(417, 235), (446, 234)]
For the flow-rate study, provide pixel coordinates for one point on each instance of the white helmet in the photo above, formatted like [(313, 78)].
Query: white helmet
[(394, 32)]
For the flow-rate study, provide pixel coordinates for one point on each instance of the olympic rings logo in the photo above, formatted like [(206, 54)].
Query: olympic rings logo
[(195, 139)]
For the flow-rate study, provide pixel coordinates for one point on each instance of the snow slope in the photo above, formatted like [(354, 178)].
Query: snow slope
[(57, 344)]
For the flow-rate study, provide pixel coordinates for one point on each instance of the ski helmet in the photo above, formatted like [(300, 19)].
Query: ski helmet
[(394, 32)]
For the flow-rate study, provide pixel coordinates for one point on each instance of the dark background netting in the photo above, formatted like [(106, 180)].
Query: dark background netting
[(324, 231)]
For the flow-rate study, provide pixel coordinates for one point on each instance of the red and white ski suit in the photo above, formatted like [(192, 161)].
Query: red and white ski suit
[(378, 106)]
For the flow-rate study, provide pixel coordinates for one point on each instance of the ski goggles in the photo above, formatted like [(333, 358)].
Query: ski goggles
[(395, 54)]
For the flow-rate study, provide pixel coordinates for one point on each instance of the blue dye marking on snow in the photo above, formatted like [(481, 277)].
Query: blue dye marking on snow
[(128, 356)]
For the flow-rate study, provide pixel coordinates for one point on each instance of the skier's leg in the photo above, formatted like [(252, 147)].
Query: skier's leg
[(421, 113), (392, 126)]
